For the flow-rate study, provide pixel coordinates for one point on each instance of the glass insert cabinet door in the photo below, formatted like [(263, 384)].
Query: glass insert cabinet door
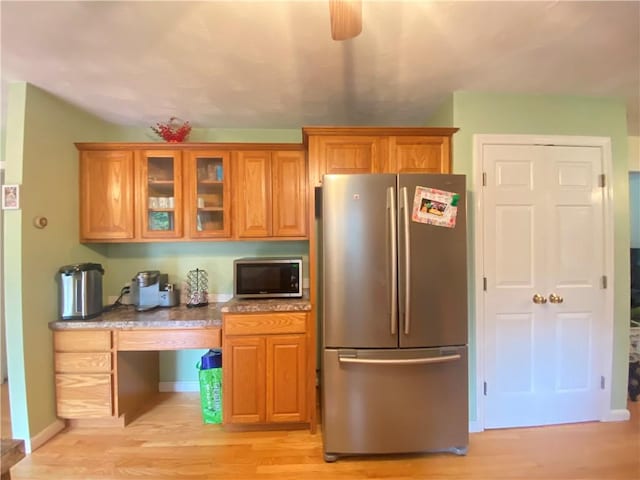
[(161, 182), (209, 212)]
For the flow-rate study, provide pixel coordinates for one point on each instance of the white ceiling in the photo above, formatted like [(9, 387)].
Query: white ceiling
[(273, 64)]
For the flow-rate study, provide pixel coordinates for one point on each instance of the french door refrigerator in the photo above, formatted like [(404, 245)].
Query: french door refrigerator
[(394, 307)]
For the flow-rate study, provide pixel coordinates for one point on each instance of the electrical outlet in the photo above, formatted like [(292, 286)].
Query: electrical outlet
[(126, 299)]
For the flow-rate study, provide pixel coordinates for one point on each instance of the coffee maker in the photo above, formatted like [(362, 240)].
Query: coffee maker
[(151, 289)]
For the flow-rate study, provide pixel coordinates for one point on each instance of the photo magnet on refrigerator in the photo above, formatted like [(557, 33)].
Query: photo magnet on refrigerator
[(435, 207)]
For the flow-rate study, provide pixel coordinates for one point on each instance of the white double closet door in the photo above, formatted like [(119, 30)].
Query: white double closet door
[(543, 220)]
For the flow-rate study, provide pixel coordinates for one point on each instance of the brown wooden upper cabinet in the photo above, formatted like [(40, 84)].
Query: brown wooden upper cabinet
[(106, 195), (159, 177), (208, 199), (167, 192), (377, 150), (420, 154), (133, 192), (270, 194)]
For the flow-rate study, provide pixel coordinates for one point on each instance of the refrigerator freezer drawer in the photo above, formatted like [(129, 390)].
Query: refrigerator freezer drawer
[(395, 401)]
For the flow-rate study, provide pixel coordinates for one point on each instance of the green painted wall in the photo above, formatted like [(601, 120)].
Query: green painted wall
[(3, 348), (480, 113), (40, 156), (12, 255), (634, 208), (443, 116), (292, 135), (3, 139)]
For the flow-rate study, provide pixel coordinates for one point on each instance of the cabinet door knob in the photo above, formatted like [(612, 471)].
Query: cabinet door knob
[(553, 298), (539, 299)]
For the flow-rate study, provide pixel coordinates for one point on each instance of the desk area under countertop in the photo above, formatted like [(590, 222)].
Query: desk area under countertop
[(106, 368)]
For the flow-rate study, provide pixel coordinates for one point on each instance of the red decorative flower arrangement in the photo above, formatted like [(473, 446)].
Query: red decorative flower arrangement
[(173, 131)]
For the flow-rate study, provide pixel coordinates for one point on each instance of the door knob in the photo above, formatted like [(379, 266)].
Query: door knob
[(539, 299), (553, 298)]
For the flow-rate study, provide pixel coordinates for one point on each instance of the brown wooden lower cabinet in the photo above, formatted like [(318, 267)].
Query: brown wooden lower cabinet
[(244, 382), (86, 395), (286, 378), (84, 374), (265, 376), (108, 375)]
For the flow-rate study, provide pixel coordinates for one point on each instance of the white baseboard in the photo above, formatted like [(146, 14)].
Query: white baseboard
[(475, 426), (44, 436), (178, 386), (618, 415)]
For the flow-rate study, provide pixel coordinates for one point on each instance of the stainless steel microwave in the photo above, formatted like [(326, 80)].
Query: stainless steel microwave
[(267, 277)]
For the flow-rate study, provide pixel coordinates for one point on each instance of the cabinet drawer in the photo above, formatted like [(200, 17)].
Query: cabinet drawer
[(171, 339), (83, 362), (82, 341), (83, 396), (265, 323)]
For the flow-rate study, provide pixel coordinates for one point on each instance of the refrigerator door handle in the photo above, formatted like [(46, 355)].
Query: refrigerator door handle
[(405, 361), (407, 262), (391, 207)]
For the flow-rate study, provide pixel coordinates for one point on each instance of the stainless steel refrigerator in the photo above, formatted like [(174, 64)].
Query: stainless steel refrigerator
[(394, 307)]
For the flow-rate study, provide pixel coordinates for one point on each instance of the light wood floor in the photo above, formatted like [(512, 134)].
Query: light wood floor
[(170, 442)]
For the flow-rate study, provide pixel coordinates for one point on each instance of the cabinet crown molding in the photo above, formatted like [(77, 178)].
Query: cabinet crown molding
[(391, 131), (187, 146)]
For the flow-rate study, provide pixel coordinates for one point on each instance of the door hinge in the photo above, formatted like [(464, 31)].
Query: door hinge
[(484, 179), (485, 389), (484, 283), (602, 383), (602, 180), (604, 282)]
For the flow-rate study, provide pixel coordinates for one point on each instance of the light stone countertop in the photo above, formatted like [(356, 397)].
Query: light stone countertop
[(127, 318), (237, 305)]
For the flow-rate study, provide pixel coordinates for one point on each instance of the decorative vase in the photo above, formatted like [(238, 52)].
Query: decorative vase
[(173, 131)]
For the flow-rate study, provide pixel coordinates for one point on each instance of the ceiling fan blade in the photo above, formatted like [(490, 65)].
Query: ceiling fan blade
[(346, 18)]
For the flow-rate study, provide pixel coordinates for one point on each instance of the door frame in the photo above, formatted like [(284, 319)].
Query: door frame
[(606, 362)]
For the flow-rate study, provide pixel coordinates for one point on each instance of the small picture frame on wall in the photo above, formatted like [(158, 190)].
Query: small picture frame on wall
[(10, 197)]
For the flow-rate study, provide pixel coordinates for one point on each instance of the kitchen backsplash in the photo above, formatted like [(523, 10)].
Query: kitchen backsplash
[(122, 262)]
